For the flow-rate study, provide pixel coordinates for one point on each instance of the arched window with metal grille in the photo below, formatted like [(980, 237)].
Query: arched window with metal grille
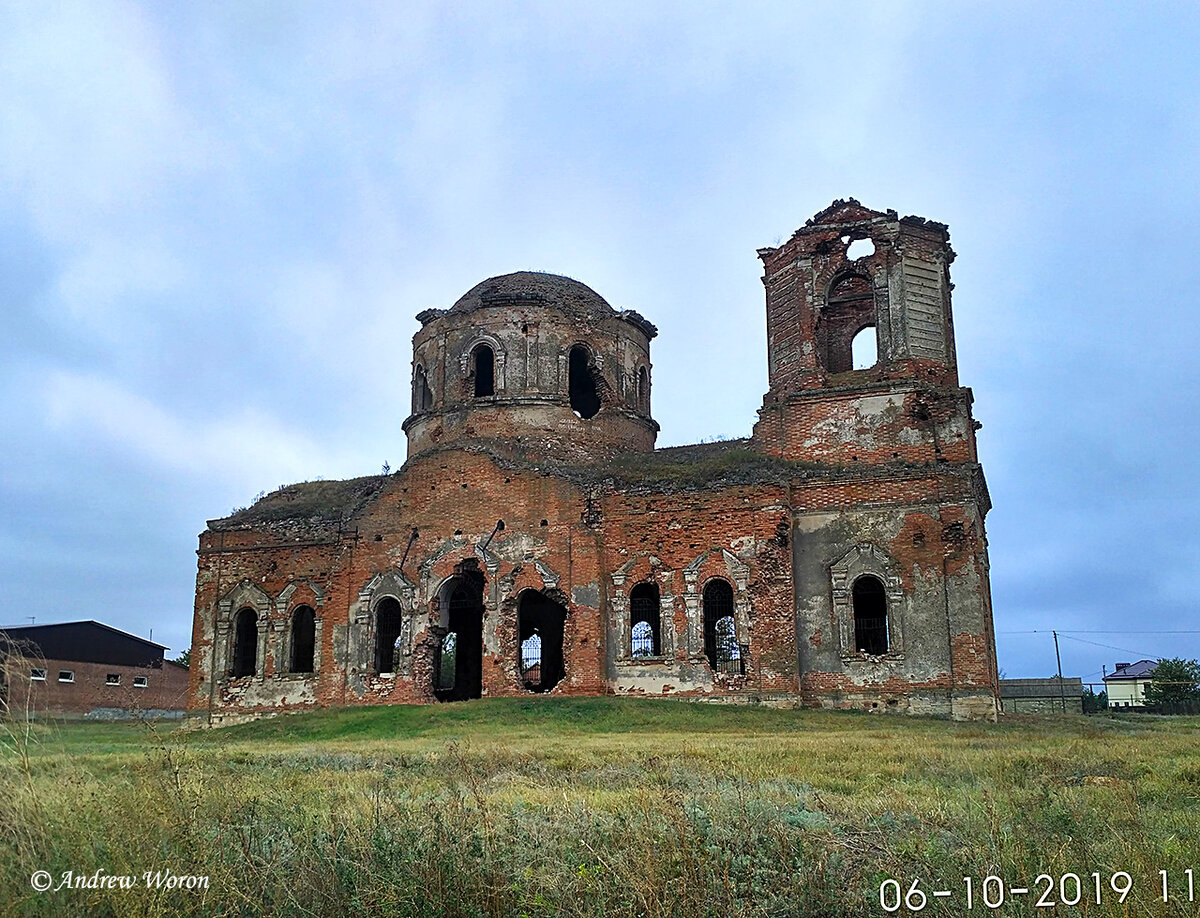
[(645, 621), (870, 615), (720, 629)]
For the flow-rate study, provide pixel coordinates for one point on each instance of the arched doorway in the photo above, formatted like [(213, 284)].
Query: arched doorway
[(458, 665), (540, 624)]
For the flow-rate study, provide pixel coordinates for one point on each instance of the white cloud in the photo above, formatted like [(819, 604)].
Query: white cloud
[(246, 447)]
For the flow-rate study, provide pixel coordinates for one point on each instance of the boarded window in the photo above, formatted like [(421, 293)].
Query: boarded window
[(870, 616), (645, 621), (720, 629), (245, 643), (585, 399), (387, 631), (304, 639), (485, 371)]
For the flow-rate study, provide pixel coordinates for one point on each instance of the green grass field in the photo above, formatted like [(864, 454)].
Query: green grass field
[(614, 807)]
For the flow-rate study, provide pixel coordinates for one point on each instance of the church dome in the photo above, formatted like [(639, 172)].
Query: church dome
[(536, 288)]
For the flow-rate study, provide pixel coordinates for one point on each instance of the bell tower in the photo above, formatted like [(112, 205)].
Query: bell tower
[(860, 342)]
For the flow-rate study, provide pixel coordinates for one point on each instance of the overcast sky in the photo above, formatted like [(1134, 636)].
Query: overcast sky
[(217, 222)]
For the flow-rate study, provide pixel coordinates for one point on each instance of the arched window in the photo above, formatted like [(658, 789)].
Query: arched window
[(585, 400), (245, 643), (849, 308), (304, 639), (387, 631), (864, 348), (422, 395), (720, 630), (870, 615), (644, 620), (484, 361), (643, 390)]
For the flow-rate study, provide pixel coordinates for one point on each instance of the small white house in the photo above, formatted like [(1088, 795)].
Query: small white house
[(1126, 684)]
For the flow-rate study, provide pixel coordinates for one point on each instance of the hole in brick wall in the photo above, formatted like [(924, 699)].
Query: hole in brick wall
[(378, 538), (860, 248), (585, 400), (870, 615), (544, 523), (464, 485), (458, 532), (863, 349), (918, 539)]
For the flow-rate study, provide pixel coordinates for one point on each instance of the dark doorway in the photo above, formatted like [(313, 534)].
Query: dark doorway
[(540, 624), (245, 643), (458, 669), (585, 400), (870, 616), (485, 371), (304, 639)]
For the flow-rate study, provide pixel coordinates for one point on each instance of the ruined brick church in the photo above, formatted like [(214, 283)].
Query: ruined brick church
[(535, 541)]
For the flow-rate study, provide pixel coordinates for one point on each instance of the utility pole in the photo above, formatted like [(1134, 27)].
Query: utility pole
[(1062, 697)]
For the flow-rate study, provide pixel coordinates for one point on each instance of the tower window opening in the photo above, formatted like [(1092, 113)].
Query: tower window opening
[(645, 621), (422, 396), (870, 616), (485, 371), (585, 400), (849, 308), (245, 643), (863, 348), (643, 390)]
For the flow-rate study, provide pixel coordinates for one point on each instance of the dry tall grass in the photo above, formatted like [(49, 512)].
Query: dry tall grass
[(596, 807)]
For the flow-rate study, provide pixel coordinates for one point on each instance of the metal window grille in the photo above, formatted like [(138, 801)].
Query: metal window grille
[(870, 634), (531, 659), (643, 640)]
